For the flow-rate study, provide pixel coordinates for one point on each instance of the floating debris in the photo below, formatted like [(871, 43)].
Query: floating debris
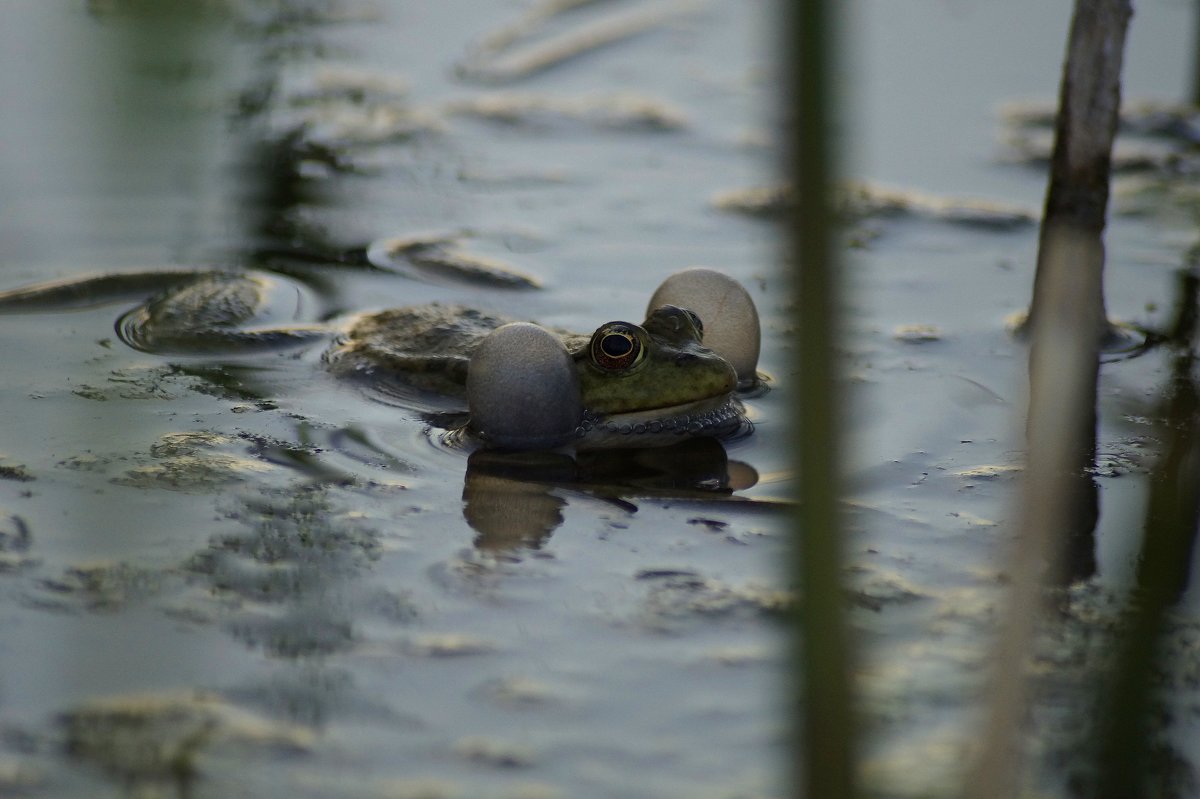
[(971, 520), (676, 597), (858, 200), (90, 291), (87, 462), (1180, 122), (917, 333), (740, 656), (142, 382), (988, 472), (1166, 197), (715, 525), (190, 473), (493, 752), (194, 461), (146, 738), (1142, 117), (1034, 147), (765, 201), (1153, 136), (448, 645), (626, 111), (340, 124), (15, 471), (439, 258), (874, 589), (514, 52), (350, 84), (518, 692), (104, 586), (330, 109)]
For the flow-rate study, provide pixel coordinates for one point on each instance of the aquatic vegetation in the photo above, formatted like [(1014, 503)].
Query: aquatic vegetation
[(626, 111), (220, 512), (855, 201), (171, 738)]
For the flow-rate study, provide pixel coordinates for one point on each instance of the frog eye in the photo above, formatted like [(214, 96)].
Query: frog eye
[(696, 321), (616, 346)]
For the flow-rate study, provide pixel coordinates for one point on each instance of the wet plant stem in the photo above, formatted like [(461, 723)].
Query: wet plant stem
[(1088, 115), (1057, 501), (1067, 323), (823, 714)]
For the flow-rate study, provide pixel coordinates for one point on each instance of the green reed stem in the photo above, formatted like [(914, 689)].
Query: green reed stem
[(1057, 507), (824, 714)]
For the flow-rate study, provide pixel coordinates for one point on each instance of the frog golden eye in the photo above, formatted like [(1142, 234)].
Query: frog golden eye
[(616, 346)]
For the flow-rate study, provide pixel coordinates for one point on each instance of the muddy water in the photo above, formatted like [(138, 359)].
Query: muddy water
[(231, 574)]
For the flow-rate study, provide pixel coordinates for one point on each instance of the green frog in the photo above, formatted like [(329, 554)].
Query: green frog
[(526, 387)]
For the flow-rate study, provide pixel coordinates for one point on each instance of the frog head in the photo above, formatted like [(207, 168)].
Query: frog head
[(627, 385), (654, 382)]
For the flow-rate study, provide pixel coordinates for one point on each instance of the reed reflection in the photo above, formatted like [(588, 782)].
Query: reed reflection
[(1130, 739)]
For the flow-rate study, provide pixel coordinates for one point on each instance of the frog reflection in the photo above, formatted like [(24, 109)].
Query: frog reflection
[(672, 377), (513, 499)]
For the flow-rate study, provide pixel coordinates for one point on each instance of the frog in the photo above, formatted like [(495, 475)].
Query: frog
[(525, 386)]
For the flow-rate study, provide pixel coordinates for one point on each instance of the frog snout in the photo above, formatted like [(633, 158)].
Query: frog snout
[(726, 312)]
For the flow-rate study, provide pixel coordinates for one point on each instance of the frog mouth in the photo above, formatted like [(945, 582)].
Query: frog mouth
[(720, 416)]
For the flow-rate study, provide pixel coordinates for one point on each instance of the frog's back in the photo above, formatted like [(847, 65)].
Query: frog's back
[(427, 346)]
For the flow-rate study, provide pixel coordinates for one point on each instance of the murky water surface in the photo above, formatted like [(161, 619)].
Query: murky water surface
[(232, 574)]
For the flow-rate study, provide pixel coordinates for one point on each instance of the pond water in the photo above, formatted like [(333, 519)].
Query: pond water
[(232, 574)]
